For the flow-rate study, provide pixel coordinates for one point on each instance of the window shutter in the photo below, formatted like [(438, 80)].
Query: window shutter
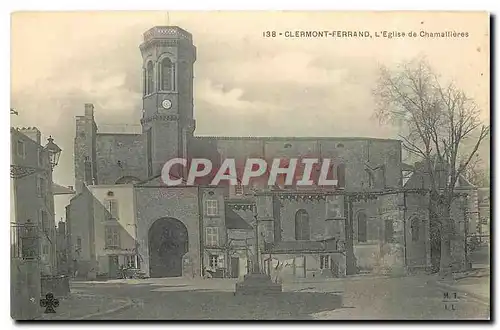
[(114, 208), (220, 261), (112, 237)]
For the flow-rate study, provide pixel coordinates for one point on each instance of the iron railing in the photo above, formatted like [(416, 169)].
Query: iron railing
[(24, 241)]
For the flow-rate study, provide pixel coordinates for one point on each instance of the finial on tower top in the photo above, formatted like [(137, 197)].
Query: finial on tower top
[(167, 18)]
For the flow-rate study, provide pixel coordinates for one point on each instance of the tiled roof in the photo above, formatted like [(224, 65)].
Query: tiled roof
[(61, 190)]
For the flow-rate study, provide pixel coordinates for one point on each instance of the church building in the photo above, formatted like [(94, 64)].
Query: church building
[(124, 215)]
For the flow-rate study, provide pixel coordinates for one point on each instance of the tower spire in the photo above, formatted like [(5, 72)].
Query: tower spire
[(167, 18)]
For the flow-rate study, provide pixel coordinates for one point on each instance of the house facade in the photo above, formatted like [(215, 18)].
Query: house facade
[(103, 231), (32, 227), (31, 195)]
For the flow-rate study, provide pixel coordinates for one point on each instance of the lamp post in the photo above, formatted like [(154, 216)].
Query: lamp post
[(256, 267), (54, 152), (257, 282)]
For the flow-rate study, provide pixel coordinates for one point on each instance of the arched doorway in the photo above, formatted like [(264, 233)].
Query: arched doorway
[(168, 242)]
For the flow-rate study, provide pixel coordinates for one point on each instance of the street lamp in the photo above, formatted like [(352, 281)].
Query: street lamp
[(54, 152), (21, 171)]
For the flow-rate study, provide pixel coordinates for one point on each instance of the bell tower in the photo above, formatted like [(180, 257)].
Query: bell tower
[(168, 57)]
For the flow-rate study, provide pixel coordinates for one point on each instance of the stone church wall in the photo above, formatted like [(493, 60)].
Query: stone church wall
[(120, 155), (355, 153), (154, 203), (417, 245), (317, 219)]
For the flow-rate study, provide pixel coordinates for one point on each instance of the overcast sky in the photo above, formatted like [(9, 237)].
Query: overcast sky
[(245, 84)]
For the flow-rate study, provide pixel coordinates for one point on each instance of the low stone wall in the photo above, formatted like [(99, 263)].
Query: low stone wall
[(58, 285), (25, 289)]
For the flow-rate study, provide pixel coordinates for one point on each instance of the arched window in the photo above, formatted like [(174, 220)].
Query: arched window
[(341, 176), (167, 72), (362, 233), (302, 230), (415, 229), (149, 78)]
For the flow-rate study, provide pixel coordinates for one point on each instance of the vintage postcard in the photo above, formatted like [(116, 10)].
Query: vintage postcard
[(250, 165)]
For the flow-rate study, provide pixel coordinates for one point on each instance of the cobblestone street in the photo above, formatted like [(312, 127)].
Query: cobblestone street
[(80, 306), (415, 297)]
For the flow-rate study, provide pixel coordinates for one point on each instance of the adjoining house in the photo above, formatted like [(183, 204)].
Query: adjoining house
[(32, 193), (102, 231), (33, 244)]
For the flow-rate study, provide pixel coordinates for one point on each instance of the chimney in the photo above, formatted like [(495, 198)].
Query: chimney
[(89, 110), (32, 132)]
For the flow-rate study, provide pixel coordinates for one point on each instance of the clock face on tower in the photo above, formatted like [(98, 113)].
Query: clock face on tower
[(166, 104)]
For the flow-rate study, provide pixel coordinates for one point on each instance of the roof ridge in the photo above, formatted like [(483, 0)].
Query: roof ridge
[(292, 138)]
